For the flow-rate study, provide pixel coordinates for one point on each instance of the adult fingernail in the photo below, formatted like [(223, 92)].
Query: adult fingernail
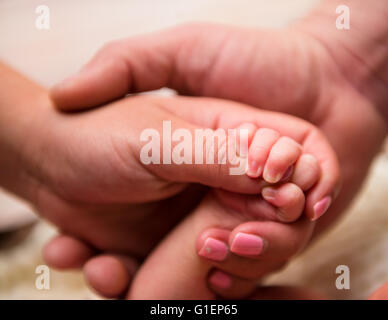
[(249, 244), (214, 249), (269, 193), (220, 279), (321, 207)]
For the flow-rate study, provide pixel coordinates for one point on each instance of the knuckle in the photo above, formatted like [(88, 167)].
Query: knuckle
[(278, 162), (290, 143), (191, 27), (296, 197), (292, 210), (310, 164), (258, 152)]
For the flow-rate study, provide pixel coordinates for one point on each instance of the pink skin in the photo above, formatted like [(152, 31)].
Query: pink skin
[(287, 174), (284, 153), (265, 244), (344, 114), (321, 207), (288, 202), (116, 69), (220, 279), (287, 196), (216, 249), (107, 76), (71, 247), (261, 145), (279, 238)]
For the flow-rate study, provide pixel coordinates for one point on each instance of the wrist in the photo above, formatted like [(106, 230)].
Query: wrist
[(22, 105), (360, 53)]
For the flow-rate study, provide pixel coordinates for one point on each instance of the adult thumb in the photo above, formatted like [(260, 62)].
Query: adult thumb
[(132, 65)]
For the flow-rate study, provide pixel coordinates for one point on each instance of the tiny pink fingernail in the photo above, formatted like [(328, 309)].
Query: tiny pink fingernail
[(220, 279), (214, 249), (287, 174), (253, 168), (269, 193), (259, 171), (272, 178), (321, 207), (249, 244)]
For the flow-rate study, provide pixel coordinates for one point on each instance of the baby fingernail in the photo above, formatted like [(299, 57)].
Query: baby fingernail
[(254, 170), (220, 279), (272, 178), (287, 174), (214, 249), (321, 207), (248, 244), (259, 171), (269, 193)]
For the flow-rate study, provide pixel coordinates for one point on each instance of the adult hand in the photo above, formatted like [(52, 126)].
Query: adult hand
[(310, 70), (287, 70), (73, 167)]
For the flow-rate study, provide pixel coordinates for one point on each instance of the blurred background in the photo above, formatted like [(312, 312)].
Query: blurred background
[(77, 30)]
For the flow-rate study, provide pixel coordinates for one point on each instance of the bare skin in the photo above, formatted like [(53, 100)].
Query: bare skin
[(85, 167), (312, 64), (109, 227), (353, 86)]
